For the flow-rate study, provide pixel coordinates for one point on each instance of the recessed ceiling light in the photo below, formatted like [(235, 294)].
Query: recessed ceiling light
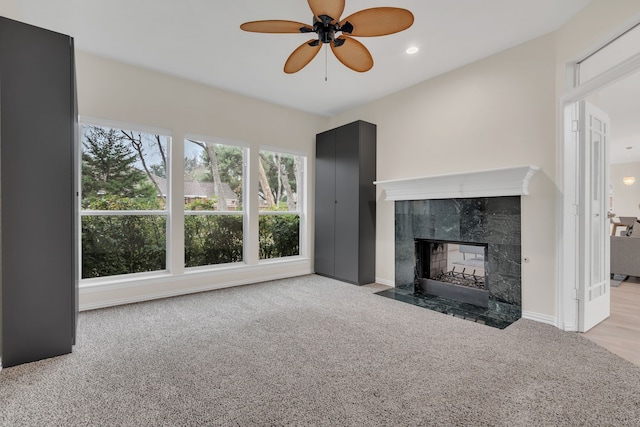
[(412, 50)]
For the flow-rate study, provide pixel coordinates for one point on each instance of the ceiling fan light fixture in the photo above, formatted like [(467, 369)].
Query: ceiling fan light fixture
[(412, 50), (373, 22)]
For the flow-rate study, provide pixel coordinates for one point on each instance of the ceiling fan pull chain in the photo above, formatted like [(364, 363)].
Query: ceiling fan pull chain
[(326, 61)]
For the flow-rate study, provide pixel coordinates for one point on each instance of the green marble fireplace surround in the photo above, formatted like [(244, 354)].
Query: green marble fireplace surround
[(494, 221)]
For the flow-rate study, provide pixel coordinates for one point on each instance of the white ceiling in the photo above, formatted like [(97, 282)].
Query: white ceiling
[(201, 40)]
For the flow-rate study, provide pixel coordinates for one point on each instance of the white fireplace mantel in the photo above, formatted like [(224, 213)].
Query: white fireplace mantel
[(512, 181)]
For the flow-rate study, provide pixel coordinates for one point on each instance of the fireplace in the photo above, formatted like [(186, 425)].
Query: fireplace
[(481, 239), (479, 210), (453, 270)]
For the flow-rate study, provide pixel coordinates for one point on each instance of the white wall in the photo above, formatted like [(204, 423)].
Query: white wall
[(626, 198), (497, 112), (114, 91)]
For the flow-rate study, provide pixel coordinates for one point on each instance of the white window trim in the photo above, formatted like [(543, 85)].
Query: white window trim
[(112, 124), (274, 213), (216, 140), (114, 290), (243, 213), (213, 213), (303, 177), (302, 204), (289, 151), (91, 212)]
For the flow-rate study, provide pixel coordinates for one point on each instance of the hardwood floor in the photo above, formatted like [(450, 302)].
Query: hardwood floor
[(620, 333)]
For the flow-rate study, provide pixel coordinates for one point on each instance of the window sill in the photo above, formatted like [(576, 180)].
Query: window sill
[(105, 292)]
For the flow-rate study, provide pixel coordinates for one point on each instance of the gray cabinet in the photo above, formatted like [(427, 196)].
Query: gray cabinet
[(345, 204), (37, 131)]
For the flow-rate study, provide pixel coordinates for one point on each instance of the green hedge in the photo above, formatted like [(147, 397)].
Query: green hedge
[(212, 239), (122, 244), (279, 236), (113, 245)]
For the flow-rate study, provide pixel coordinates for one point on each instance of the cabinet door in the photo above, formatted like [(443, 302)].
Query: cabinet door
[(347, 198), (37, 197), (367, 218), (325, 203)]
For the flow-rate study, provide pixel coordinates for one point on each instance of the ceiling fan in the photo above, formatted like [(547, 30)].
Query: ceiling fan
[(377, 21)]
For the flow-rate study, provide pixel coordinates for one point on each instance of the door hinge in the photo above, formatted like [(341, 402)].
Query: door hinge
[(576, 294), (574, 125)]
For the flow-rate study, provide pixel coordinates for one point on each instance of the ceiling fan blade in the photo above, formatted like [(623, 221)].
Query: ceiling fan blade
[(377, 21), (352, 54), (276, 26), (332, 8), (302, 56)]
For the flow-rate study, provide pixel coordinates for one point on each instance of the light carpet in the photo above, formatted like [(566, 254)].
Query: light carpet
[(314, 351)]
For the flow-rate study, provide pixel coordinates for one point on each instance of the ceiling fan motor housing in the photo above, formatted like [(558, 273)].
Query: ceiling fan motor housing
[(325, 29)]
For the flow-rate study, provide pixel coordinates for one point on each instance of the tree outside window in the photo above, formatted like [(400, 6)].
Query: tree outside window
[(213, 191), (124, 210), (123, 204), (280, 176)]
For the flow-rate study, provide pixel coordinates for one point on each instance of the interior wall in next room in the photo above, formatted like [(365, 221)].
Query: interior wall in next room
[(626, 198)]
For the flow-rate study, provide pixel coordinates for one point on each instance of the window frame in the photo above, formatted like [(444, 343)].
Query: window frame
[(246, 150), (166, 213), (174, 214), (301, 206)]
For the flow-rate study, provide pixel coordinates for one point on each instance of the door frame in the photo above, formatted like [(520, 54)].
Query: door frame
[(569, 184)]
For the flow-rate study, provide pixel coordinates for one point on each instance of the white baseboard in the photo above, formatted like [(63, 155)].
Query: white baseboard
[(386, 282), (113, 293), (542, 318)]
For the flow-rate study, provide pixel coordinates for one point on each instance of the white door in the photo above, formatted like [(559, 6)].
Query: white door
[(594, 290)]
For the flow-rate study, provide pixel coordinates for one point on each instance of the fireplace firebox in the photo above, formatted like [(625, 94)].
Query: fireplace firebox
[(452, 270)]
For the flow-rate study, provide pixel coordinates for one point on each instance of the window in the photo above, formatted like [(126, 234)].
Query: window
[(280, 177), (126, 202), (615, 52), (214, 212), (123, 201)]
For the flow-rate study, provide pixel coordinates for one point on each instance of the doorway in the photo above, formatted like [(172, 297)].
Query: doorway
[(611, 87), (620, 331)]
